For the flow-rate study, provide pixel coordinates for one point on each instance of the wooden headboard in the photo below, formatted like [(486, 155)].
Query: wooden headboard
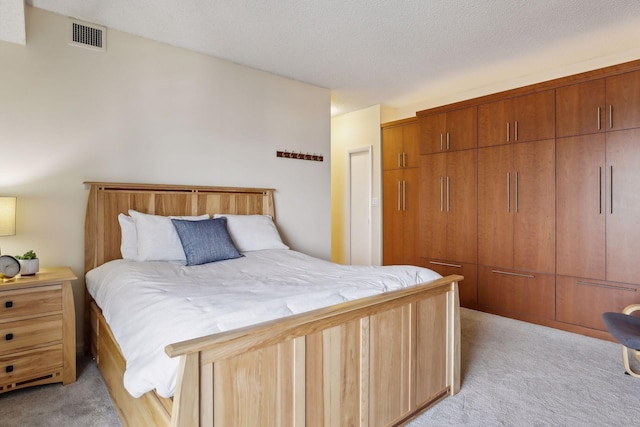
[(107, 200)]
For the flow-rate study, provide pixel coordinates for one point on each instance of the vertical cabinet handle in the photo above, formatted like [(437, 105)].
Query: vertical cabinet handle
[(404, 159), (611, 191), (610, 116), (448, 146), (441, 194), (508, 192), (600, 190), (404, 195), (441, 142), (516, 192), (399, 163), (399, 201), (516, 131), (448, 199), (599, 126), (507, 131)]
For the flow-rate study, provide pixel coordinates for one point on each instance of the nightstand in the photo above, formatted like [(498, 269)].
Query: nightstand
[(37, 330)]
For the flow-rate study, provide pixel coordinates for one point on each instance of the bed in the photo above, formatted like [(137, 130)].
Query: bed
[(375, 360)]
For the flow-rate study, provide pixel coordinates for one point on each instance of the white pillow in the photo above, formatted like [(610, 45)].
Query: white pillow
[(158, 239), (128, 238), (253, 232)]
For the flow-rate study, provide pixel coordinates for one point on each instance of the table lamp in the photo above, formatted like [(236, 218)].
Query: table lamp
[(7, 216)]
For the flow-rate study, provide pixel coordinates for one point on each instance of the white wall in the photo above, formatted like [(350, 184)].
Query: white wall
[(148, 112)]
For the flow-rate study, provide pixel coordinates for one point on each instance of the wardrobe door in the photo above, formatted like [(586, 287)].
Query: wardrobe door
[(461, 206), (623, 93), (432, 130), (392, 230), (580, 108), (410, 146), (494, 123), (580, 203), (623, 206), (433, 214), (495, 201), (392, 146), (533, 181), (533, 117)]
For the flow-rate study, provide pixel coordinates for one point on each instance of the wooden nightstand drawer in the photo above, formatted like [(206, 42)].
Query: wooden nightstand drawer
[(30, 365), (30, 333), (28, 302)]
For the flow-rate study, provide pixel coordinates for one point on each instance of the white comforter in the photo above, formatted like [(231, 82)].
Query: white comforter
[(149, 305)]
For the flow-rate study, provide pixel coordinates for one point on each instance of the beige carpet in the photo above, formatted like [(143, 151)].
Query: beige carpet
[(514, 374)]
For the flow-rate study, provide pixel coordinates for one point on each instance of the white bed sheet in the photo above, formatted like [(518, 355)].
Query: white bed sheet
[(149, 305)]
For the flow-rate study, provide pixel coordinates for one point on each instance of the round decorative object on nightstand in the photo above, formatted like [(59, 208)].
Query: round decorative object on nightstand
[(9, 266)]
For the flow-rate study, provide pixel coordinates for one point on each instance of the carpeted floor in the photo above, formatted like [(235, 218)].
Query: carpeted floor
[(513, 374)]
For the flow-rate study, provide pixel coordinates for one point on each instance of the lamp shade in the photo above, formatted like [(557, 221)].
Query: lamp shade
[(7, 216)]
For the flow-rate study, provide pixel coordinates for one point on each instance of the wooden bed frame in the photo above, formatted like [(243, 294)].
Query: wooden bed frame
[(376, 361)]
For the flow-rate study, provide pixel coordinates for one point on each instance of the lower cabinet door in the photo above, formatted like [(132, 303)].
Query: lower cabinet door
[(468, 288), (517, 292), (582, 301)]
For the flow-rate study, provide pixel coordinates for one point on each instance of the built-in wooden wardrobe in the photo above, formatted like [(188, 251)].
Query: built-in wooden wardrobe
[(532, 194)]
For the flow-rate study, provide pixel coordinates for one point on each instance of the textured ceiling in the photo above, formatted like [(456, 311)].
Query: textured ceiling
[(372, 52)]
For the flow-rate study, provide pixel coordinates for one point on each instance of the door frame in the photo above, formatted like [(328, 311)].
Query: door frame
[(358, 150)]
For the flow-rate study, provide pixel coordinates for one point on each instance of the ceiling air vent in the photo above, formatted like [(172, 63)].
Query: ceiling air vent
[(88, 35)]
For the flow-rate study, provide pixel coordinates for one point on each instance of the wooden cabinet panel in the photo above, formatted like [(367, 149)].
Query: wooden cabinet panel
[(433, 215), (580, 202), (495, 218), (623, 206), (393, 227), (580, 108), (534, 117), (516, 206), (467, 288), (521, 119), (462, 206), (392, 138), (448, 206), (517, 292), (533, 206), (400, 146), (450, 131), (400, 211), (582, 301), (623, 93)]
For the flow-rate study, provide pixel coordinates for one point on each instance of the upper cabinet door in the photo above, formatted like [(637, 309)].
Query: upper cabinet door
[(580, 109), (411, 146), (521, 119), (623, 108), (450, 131), (392, 147), (400, 146)]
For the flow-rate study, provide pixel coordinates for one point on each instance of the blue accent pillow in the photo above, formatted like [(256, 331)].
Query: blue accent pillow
[(205, 241)]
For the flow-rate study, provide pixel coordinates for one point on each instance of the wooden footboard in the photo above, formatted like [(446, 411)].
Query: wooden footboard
[(378, 361)]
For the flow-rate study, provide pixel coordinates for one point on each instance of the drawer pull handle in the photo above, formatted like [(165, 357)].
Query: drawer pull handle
[(9, 369), (528, 276), (600, 285), (446, 264), (8, 304), (8, 337)]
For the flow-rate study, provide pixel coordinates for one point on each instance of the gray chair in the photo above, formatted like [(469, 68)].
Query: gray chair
[(625, 329)]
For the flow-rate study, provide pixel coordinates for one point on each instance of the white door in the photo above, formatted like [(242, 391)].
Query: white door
[(359, 204)]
